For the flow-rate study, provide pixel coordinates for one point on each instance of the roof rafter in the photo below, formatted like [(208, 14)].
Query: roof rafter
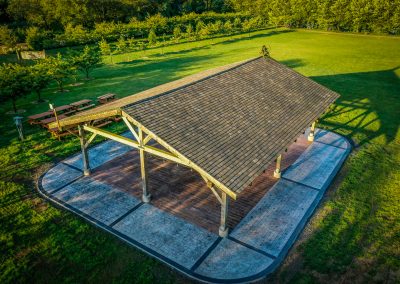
[(185, 160)]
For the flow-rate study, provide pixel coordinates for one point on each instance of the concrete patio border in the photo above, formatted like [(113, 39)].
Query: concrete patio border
[(257, 246)]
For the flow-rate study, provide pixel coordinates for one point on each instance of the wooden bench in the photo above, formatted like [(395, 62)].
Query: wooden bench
[(69, 112), (35, 119), (86, 107)]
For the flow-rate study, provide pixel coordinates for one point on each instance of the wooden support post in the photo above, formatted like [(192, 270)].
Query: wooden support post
[(223, 228), (85, 157), (277, 172), (312, 132), (143, 169)]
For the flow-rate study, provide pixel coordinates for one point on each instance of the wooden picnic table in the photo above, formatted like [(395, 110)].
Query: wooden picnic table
[(45, 122), (106, 98), (62, 109), (34, 119), (81, 103)]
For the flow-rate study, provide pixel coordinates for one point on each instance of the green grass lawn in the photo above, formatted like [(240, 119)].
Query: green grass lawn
[(355, 234)]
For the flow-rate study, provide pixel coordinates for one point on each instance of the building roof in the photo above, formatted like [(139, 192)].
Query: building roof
[(235, 123), (114, 108), (232, 121)]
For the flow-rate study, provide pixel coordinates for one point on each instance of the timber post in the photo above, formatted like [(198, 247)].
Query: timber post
[(277, 172), (85, 157), (143, 169), (223, 228), (312, 133)]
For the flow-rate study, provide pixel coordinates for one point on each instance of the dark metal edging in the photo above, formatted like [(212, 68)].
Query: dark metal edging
[(176, 266)]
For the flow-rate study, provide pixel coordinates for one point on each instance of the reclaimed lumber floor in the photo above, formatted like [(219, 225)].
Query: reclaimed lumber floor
[(182, 192)]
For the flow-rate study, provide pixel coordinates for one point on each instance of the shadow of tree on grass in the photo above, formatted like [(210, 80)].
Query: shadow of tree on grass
[(369, 106)]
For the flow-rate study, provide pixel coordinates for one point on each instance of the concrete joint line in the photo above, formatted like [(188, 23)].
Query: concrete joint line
[(300, 183), (330, 145), (204, 256), (71, 166), (126, 214), (251, 247), (65, 185)]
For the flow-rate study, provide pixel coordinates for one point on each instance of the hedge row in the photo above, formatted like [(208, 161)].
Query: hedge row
[(110, 31)]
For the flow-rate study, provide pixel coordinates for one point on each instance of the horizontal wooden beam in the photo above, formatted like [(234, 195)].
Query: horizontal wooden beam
[(121, 139), (80, 118)]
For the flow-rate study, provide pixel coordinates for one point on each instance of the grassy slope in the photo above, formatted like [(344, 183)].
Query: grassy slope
[(355, 233)]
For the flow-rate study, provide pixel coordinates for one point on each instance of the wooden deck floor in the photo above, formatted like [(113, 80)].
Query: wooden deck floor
[(182, 192)]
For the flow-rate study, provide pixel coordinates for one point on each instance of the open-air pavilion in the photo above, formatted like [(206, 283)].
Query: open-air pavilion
[(231, 126)]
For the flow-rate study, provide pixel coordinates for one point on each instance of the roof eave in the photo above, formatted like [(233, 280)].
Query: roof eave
[(74, 120)]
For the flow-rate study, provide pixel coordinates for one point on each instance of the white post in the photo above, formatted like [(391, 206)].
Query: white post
[(312, 132), (223, 228), (143, 169), (85, 157), (277, 172)]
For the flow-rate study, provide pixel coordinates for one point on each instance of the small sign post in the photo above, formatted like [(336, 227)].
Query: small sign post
[(18, 123)]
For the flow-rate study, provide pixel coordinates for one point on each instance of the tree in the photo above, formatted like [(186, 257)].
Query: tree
[(237, 23), (75, 34), (217, 27), (60, 69), (247, 27), (39, 78), (204, 31), (86, 60), (189, 31), (152, 37), (199, 27), (121, 45), (177, 33), (7, 37), (34, 38), (105, 48), (14, 82), (142, 46), (131, 43), (228, 27)]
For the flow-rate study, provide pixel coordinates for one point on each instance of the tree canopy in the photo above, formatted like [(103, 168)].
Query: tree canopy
[(86, 60), (60, 69), (39, 77), (14, 82)]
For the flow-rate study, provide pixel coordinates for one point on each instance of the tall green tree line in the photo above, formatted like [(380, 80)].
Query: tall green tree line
[(379, 16), (56, 14)]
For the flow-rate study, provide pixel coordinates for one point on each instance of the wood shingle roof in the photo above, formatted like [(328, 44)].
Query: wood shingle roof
[(234, 123)]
